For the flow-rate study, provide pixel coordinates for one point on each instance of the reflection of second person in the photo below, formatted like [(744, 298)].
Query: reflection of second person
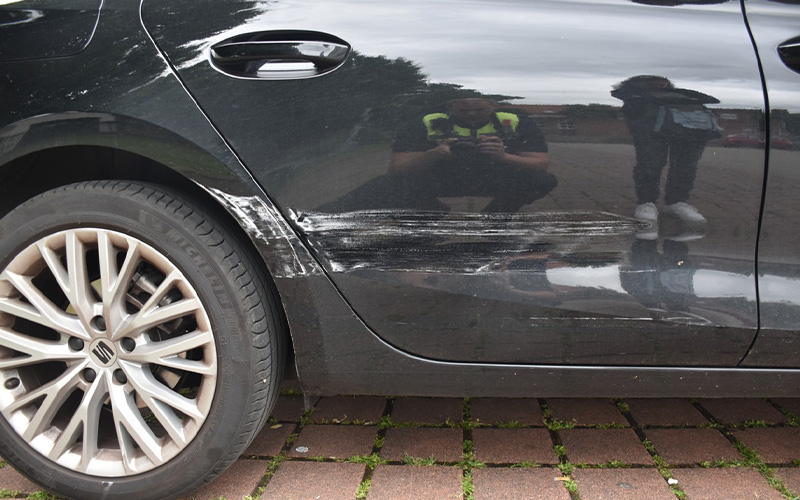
[(471, 149), (648, 101)]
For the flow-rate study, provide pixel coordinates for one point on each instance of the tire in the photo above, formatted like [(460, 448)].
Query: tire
[(140, 344)]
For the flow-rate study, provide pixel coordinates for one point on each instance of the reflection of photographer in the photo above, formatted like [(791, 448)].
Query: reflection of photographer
[(471, 149)]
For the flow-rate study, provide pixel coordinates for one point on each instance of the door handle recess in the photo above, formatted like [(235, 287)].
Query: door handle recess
[(789, 52), (279, 55)]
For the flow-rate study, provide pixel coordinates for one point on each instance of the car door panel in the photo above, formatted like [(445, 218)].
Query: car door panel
[(778, 263), (566, 275)]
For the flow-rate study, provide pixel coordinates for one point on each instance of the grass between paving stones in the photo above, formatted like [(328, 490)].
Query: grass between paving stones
[(371, 461), (752, 459), (363, 489)]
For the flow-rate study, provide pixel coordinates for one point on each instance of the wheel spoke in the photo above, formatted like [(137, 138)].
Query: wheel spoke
[(40, 309), (131, 427), (166, 353), (53, 393), (37, 350), (85, 423), (114, 282), (152, 314), (147, 388), (80, 288)]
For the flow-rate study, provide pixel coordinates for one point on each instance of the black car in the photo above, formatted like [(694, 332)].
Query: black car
[(471, 198)]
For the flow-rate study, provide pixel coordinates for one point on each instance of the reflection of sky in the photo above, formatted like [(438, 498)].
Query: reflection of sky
[(772, 24), (549, 52)]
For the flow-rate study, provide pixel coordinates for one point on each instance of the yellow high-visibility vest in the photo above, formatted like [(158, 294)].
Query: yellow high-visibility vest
[(437, 135)]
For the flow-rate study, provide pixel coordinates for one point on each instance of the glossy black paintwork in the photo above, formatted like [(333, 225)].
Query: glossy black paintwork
[(35, 29), (778, 256), (602, 278), (578, 286)]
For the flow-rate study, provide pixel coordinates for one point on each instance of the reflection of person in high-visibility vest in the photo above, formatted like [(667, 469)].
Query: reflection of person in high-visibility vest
[(471, 149)]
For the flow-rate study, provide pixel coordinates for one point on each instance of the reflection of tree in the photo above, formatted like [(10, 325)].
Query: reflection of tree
[(574, 111), (364, 101)]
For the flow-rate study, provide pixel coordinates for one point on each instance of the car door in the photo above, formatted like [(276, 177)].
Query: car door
[(523, 247), (776, 32)]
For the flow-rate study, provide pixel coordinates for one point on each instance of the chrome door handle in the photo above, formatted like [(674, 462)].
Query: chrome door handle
[(279, 55)]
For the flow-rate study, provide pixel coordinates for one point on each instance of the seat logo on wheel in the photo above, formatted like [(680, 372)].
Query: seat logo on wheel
[(103, 352)]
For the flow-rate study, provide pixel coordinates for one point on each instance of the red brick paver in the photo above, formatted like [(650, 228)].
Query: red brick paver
[(501, 410), (622, 484), (238, 482), (444, 445), (402, 482), (349, 409), (792, 405), (517, 484), (665, 412), (777, 445), (691, 446), (14, 481), (586, 411), (427, 410), (790, 478), (314, 480), (739, 411), (288, 409), (270, 440), (333, 441), (724, 484), (597, 446), (510, 446)]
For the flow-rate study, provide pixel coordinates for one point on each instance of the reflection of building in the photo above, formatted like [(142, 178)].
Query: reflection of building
[(601, 123)]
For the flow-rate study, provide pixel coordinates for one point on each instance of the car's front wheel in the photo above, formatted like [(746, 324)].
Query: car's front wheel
[(139, 342)]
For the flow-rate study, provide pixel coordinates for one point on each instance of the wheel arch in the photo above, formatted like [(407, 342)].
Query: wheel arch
[(65, 154)]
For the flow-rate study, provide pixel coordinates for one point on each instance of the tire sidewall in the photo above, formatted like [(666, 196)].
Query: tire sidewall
[(201, 259)]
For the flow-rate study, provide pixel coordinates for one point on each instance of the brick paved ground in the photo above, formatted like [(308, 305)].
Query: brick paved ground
[(485, 448)]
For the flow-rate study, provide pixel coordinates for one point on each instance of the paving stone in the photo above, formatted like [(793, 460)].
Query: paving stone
[(731, 483), (510, 446), (427, 410), (288, 409), (334, 441), (666, 412), (349, 408), (691, 446), (405, 482), (597, 446), (502, 410), (444, 445), (790, 478), (739, 411), (236, 483), (12, 480), (586, 411), (774, 445), (314, 480), (269, 442), (622, 484), (790, 404), (516, 484), (291, 384)]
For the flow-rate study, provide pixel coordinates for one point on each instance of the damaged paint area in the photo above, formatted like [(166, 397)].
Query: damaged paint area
[(392, 240), (287, 257)]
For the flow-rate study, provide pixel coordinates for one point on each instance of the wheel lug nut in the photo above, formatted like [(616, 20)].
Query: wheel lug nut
[(128, 344), (11, 383), (75, 344), (89, 375), (99, 323), (120, 377)]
